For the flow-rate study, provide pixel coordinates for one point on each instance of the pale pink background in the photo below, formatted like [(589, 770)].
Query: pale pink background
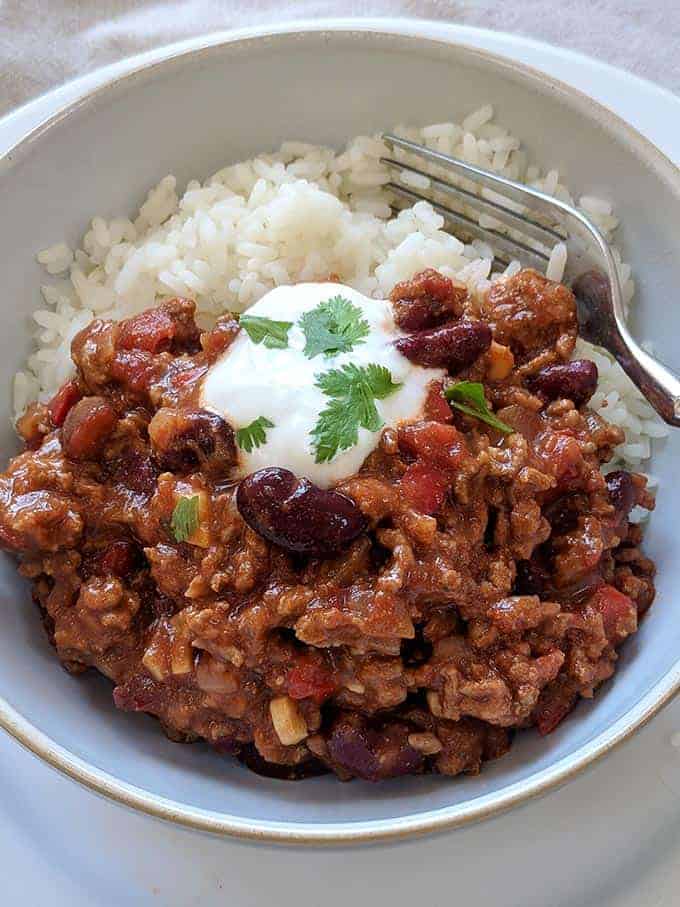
[(45, 42)]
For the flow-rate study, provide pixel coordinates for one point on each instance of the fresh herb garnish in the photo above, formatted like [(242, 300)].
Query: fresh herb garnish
[(273, 334), (334, 326), (253, 435), (184, 520), (353, 391), (468, 397)]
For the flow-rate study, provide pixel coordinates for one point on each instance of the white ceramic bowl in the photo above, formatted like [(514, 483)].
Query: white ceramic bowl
[(101, 155)]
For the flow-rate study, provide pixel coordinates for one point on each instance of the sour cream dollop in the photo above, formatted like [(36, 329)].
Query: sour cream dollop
[(251, 380)]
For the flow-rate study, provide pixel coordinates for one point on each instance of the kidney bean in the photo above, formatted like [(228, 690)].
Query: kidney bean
[(454, 346), (185, 440), (66, 397), (295, 514), (622, 494), (575, 380), (373, 754), (86, 427)]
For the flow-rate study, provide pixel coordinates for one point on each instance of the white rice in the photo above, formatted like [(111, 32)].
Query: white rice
[(301, 213)]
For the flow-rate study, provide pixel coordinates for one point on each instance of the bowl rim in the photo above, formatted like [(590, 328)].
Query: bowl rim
[(403, 32)]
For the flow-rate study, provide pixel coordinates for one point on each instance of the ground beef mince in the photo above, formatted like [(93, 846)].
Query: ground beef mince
[(465, 583)]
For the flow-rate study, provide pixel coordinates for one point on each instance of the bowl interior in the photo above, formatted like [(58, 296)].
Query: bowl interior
[(189, 117)]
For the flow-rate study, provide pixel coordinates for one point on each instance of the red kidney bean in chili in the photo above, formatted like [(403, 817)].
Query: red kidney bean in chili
[(66, 397), (576, 380), (622, 494), (295, 514), (453, 346)]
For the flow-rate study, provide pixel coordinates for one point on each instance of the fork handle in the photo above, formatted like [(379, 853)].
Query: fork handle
[(657, 383), (598, 324)]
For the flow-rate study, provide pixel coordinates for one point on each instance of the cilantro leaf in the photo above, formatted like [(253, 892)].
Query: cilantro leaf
[(184, 520), (334, 326), (468, 397), (380, 381), (353, 391), (273, 334), (253, 435), (336, 430)]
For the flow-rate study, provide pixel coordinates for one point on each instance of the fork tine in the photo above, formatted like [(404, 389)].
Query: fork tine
[(512, 247), (602, 318), (542, 234), (534, 199)]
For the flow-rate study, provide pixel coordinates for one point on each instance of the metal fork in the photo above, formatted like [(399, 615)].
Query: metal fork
[(599, 299)]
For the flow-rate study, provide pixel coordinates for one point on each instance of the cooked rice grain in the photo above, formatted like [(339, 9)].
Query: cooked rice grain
[(301, 213)]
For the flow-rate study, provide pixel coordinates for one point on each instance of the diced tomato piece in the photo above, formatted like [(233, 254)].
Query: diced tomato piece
[(310, 681), (424, 488), (619, 613), (66, 397), (135, 369), (437, 407), (151, 331), (553, 706), (435, 443)]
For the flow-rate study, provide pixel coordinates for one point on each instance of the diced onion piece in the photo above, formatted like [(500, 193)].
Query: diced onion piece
[(288, 723), (501, 361), (425, 743)]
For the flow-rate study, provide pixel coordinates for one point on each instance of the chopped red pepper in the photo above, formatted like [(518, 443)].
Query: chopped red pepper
[(135, 369), (66, 397), (152, 331), (619, 613), (435, 443), (310, 681), (436, 407), (424, 487)]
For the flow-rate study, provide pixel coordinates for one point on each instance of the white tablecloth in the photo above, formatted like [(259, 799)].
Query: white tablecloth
[(45, 42)]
